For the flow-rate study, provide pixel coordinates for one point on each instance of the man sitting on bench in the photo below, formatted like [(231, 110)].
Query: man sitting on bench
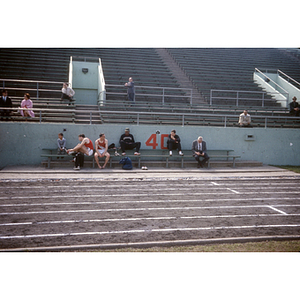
[(86, 146), (101, 147), (174, 143), (199, 150), (127, 143)]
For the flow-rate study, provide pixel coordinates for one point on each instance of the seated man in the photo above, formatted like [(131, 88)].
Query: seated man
[(245, 119), (127, 143), (86, 146), (67, 92), (199, 150), (294, 107), (101, 147), (173, 142), (5, 101)]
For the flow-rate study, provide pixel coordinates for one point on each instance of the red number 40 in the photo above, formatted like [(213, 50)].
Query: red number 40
[(152, 141)]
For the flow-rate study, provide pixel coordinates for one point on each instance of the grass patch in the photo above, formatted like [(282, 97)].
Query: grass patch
[(265, 246), (295, 169)]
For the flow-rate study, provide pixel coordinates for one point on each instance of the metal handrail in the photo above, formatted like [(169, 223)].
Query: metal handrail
[(237, 98), (292, 79), (271, 80), (163, 95), (34, 81), (138, 114), (31, 89)]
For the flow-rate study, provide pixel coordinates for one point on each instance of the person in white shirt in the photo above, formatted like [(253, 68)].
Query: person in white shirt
[(67, 92), (245, 119)]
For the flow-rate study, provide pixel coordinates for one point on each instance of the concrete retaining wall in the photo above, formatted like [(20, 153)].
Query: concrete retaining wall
[(22, 143)]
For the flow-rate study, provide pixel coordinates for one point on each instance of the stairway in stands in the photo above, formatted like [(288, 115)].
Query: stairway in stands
[(232, 68), (180, 76)]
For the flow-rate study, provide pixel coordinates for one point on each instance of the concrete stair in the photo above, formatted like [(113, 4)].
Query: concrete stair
[(182, 79)]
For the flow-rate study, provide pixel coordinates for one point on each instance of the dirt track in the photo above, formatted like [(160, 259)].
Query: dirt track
[(78, 213)]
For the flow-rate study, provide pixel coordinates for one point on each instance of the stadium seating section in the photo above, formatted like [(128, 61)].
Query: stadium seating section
[(207, 68)]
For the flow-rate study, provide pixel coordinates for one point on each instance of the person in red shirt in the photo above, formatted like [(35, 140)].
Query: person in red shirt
[(101, 146), (86, 146)]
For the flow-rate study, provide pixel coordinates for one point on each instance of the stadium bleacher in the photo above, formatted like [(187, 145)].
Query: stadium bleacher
[(232, 68), (208, 68)]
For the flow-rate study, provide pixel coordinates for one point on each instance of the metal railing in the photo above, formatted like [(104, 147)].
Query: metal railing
[(163, 95), (41, 114), (274, 85), (222, 119), (279, 72), (236, 98), (27, 89)]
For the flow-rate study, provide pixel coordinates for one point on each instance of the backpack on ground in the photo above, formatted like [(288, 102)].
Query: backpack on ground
[(126, 162)]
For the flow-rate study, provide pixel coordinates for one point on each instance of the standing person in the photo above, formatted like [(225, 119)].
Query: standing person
[(67, 92), (5, 101), (245, 119), (61, 144), (127, 142), (130, 89), (27, 103), (294, 107), (101, 146), (199, 150), (86, 146), (173, 142)]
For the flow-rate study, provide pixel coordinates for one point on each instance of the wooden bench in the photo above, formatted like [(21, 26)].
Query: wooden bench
[(163, 155), (146, 156), (51, 155)]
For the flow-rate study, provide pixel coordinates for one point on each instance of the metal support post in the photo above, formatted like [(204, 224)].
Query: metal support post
[(266, 122), (37, 91)]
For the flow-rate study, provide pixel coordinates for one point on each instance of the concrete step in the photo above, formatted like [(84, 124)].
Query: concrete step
[(180, 75)]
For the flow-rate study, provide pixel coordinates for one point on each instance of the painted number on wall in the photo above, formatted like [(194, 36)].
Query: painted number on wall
[(152, 141)]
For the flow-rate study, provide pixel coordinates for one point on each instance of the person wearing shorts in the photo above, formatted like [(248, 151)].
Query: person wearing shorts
[(101, 146), (86, 146)]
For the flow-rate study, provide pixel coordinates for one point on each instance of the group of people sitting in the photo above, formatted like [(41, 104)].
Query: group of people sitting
[(245, 118), (86, 147), (127, 142), (27, 104), (68, 93), (6, 102)]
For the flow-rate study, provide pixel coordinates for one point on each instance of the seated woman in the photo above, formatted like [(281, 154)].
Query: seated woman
[(27, 103)]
